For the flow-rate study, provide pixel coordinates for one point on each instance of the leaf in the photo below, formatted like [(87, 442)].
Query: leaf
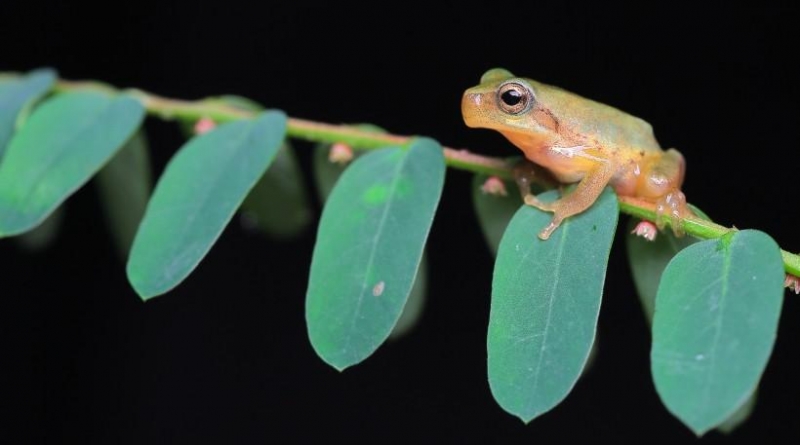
[(278, 204), (493, 211), (715, 324), (16, 94), (64, 143), (647, 260), (545, 301), (196, 197), (416, 302), (326, 173), (369, 245), (124, 185), (44, 234)]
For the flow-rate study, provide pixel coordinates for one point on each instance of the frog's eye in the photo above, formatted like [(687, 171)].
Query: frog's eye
[(514, 98)]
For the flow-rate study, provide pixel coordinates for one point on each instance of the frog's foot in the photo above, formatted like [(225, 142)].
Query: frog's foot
[(531, 200), (672, 207)]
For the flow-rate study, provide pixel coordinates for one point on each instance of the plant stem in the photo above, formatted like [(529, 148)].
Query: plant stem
[(218, 111)]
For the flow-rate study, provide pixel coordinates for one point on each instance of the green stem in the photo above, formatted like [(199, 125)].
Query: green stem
[(170, 109)]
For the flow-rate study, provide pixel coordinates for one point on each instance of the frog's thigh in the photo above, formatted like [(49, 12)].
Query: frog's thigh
[(664, 175), (584, 195)]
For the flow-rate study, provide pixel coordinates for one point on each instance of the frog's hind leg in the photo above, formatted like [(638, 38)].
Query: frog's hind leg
[(663, 180), (583, 196)]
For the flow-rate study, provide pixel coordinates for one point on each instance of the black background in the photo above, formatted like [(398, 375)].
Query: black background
[(224, 358)]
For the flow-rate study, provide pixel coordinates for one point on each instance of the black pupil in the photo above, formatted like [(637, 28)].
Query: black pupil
[(511, 97)]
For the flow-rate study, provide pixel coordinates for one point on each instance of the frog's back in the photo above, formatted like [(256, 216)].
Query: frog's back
[(606, 125)]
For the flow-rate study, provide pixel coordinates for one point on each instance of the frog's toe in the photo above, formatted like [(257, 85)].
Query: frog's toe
[(672, 207), (547, 231), (531, 200)]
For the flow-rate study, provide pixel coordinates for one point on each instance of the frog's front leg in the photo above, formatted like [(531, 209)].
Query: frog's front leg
[(583, 196), (527, 174)]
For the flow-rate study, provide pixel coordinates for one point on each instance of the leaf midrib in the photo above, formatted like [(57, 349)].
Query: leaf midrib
[(726, 263), (373, 250), (553, 293)]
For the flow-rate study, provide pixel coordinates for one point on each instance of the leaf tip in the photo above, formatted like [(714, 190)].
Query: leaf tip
[(339, 362), (146, 291), (700, 430), (526, 419)]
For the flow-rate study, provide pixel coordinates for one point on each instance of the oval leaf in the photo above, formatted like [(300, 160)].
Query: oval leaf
[(494, 211), (369, 245), (195, 198), (278, 204), (15, 95), (715, 324), (62, 144), (545, 301), (124, 185)]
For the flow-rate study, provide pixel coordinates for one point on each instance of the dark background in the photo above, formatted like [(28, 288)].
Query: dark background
[(224, 358)]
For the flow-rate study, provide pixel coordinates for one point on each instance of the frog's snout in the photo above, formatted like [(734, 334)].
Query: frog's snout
[(471, 107)]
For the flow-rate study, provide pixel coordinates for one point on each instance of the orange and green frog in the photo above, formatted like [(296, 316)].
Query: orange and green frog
[(580, 141)]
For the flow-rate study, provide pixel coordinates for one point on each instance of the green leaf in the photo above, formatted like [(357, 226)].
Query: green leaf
[(278, 204), (545, 301), (16, 94), (493, 211), (64, 143), (196, 197), (715, 324), (416, 302), (369, 244), (44, 234), (124, 185)]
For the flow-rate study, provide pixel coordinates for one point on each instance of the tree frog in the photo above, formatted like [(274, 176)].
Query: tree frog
[(579, 141)]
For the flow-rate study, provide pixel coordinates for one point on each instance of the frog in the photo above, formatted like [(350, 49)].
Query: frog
[(585, 145)]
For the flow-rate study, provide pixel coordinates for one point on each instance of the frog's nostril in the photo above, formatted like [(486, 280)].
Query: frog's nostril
[(471, 100), (475, 98)]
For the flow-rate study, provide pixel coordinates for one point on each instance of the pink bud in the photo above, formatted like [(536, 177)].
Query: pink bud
[(204, 125), (646, 230), (792, 282), (494, 186), (340, 153)]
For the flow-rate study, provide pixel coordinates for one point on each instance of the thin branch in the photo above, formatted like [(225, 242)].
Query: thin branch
[(218, 111)]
